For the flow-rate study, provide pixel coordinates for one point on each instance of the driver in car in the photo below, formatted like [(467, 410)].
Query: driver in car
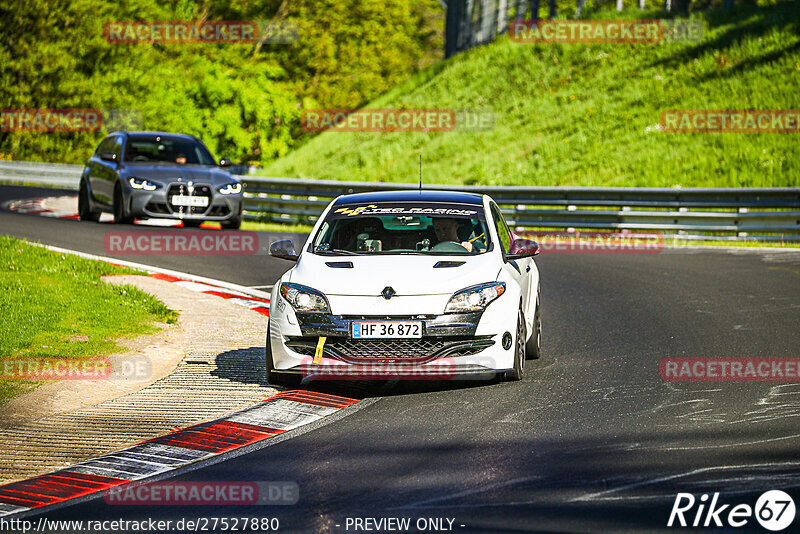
[(447, 230)]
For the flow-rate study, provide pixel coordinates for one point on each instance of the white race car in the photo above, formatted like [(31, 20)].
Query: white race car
[(405, 284)]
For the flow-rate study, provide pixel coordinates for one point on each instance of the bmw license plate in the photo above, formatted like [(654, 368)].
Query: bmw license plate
[(387, 329), (184, 200)]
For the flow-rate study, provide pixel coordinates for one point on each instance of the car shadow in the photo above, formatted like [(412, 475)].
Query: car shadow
[(247, 366)]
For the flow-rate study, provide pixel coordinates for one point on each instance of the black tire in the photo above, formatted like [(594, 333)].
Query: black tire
[(533, 347), (192, 223), (519, 351), (85, 211), (121, 215), (233, 223), (275, 378)]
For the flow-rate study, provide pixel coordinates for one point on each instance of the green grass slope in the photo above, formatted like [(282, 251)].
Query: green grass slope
[(585, 114)]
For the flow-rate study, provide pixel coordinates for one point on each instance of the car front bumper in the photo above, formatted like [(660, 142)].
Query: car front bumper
[(156, 204), (465, 345)]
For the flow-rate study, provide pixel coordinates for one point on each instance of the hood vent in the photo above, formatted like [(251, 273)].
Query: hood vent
[(339, 264), (445, 264)]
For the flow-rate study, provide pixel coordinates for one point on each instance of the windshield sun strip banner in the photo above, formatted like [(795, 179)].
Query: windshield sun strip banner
[(425, 209)]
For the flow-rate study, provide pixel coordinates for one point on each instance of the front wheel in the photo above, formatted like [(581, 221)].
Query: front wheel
[(278, 379), (85, 211), (533, 347), (519, 351), (121, 215)]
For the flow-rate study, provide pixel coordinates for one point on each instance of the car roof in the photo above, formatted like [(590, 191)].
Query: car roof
[(164, 134), (426, 195)]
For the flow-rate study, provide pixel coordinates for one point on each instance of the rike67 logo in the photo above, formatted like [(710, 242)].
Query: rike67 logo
[(774, 510)]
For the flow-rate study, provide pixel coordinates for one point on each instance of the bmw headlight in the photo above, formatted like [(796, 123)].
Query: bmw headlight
[(231, 189), (475, 298), (141, 183), (304, 298)]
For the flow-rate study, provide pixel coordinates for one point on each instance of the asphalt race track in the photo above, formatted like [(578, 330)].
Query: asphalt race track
[(591, 440)]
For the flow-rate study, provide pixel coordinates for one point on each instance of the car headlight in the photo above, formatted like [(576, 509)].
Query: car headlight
[(475, 298), (304, 298), (230, 189), (141, 183)]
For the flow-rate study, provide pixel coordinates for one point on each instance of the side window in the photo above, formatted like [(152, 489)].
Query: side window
[(502, 229), (105, 145)]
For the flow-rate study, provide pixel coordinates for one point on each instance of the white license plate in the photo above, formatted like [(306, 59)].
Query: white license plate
[(183, 200), (387, 329)]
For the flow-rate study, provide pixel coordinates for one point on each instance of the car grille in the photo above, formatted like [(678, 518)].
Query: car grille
[(183, 189), (408, 350)]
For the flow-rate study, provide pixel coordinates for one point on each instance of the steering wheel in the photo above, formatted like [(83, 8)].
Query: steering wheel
[(141, 158), (448, 246)]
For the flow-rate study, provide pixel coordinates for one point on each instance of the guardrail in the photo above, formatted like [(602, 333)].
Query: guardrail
[(49, 174), (767, 214)]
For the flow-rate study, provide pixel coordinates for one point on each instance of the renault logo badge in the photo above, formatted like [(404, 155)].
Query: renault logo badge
[(387, 292)]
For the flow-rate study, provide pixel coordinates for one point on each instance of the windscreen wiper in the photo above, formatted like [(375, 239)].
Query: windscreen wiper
[(336, 252)]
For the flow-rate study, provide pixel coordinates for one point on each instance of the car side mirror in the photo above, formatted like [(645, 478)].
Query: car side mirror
[(108, 156), (225, 162), (522, 248), (283, 249)]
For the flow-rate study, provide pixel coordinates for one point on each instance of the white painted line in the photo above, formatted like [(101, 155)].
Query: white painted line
[(195, 286), (271, 416), (247, 303), (152, 269), (125, 468), (302, 407), (163, 454)]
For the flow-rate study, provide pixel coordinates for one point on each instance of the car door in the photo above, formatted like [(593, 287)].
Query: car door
[(108, 170), (95, 170), (519, 270)]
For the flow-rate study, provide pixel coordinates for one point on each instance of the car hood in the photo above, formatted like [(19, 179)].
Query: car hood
[(170, 173), (406, 274)]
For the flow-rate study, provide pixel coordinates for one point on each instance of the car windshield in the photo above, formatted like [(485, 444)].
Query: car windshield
[(403, 228), (163, 149)]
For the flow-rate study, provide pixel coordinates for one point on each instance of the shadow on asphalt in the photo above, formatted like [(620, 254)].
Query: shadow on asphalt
[(247, 366)]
